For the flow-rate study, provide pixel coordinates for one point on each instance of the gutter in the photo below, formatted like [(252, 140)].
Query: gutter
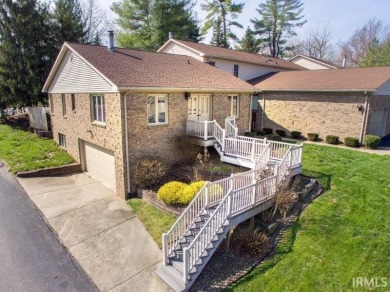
[(320, 90), (127, 144), (178, 89), (365, 119)]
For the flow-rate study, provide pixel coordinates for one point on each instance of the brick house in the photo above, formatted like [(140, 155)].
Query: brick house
[(111, 107), (344, 102)]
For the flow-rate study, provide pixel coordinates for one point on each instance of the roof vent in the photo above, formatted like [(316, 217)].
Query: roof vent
[(171, 35), (344, 61), (111, 41)]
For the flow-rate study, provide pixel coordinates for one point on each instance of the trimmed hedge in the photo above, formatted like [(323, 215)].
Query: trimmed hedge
[(281, 133), (250, 134), (331, 139), (312, 137), (268, 131), (171, 193), (372, 141), (296, 134), (191, 191), (261, 133), (351, 142), (274, 137)]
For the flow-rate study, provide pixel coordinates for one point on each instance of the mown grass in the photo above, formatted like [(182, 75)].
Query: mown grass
[(345, 233), (155, 221), (23, 151)]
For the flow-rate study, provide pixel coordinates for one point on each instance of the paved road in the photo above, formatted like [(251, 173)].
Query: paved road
[(31, 258)]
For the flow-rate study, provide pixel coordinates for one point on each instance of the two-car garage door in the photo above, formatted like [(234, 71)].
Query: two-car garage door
[(378, 122), (100, 164)]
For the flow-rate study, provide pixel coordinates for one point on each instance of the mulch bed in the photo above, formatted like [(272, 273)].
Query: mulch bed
[(226, 268)]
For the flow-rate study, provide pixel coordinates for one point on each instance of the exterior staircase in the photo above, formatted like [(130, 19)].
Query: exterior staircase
[(221, 205)]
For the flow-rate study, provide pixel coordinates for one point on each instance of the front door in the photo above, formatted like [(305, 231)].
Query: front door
[(199, 107)]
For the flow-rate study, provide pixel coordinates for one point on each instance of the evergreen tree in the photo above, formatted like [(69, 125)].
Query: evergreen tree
[(26, 51), (377, 55), (145, 24), (218, 38), (249, 43), (224, 12), (68, 22), (278, 18)]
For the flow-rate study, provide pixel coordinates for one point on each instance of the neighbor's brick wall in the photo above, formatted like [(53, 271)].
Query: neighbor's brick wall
[(322, 113), (161, 140), (76, 124), (221, 109), (378, 102)]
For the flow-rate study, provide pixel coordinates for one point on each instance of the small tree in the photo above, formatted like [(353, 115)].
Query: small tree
[(249, 43)]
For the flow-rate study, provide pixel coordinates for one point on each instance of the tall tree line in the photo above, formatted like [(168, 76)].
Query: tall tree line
[(31, 35)]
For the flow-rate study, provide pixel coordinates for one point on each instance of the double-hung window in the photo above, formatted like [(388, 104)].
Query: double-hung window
[(234, 105), (235, 70), (98, 109), (157, 109), (62, 140)]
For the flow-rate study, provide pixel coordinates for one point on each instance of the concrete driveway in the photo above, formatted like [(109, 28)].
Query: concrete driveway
[(100, 231)]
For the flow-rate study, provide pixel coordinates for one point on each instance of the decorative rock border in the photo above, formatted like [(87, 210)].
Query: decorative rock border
[(151, 197), (52, 171)]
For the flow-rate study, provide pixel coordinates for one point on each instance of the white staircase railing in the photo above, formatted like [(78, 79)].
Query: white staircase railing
[(231, 127)]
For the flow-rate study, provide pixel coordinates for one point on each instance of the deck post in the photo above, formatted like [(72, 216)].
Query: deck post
[(265, 140), (228, 239), (205, 131), (223, 140), (252, 223), (253, 150), (165, 248), (185, 264)]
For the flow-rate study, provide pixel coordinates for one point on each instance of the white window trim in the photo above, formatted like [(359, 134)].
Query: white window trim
[(157, 123), (230, 96), (95, 109)]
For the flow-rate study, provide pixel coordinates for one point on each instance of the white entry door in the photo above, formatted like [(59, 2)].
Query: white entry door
[(378, 122), (100, 165), (199, 107)]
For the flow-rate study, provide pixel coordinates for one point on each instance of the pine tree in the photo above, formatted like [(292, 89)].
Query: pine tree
[(278, 18), (224, 12), (378, 55), (26, 52), (145, 24), (218, 38), (249, 43), (68, 22)]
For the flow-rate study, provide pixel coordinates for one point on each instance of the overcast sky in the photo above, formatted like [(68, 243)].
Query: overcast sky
[(342, 16)]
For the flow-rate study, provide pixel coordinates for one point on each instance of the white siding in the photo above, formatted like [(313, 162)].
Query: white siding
[(245, 71), (309, 64), (384, 89), (177, 49), (75, 76)]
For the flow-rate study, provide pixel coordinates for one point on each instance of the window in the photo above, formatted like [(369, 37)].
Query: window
[(255, 103), (235, 72), (234, 105), (157, 109), (62, 140), (63, 104), (73, 102), (51, 103), (98, 111), (212, 63)]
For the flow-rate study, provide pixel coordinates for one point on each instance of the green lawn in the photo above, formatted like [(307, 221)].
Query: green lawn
[(344, 233), (155, 221), (22, 150)]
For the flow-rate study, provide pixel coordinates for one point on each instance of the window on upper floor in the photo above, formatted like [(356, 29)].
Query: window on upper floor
[(234, 104), (73, 102), (157, 109), (98, 109), (235, 71), (63, 100)]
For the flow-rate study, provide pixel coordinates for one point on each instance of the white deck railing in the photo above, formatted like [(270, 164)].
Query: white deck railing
[(201, 129), (231, 127)]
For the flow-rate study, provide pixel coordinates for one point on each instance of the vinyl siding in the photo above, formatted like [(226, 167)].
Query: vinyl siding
[(177, 49), (384, 89), (309, 64), (76, 76)]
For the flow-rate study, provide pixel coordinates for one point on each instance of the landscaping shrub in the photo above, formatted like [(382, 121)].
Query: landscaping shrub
[(149, 171), (172, 193), (250, 240), (215, 192), (284, 200), (331, 139), (191, 191), (372, 141), (312, 136), (250, 134), (274, 137), (296, 134), (268, 130), (351, 142), (261, 133), (281, 133)]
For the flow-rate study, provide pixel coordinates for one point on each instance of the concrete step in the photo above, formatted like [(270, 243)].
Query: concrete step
[(171, 276)]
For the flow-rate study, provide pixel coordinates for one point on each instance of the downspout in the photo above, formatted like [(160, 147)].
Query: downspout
[(262, 111), (250, 112), (364, 121), (127, 144)]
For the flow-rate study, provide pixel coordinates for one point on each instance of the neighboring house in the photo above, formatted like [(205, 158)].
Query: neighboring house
[(348, 102), (110, 108), (311, 63), (242, 64)]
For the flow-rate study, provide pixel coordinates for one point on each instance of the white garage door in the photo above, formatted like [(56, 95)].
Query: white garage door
[(100, 164), (378, 122)]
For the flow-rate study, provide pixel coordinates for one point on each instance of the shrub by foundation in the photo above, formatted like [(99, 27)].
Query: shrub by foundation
[(312, 137), (261, 133), (274, 137), (172, 193), (150, 171), (351, 142), (296, 134), (268, 130), (250, 134), (372, 141), (191, 191), (331, 139), (281, 133)]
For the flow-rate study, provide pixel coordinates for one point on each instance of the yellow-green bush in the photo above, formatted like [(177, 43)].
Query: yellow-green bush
[(171, 193), (191, 191), (215, 192)]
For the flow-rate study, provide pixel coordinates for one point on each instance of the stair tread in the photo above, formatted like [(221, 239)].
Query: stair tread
[(172, 277)]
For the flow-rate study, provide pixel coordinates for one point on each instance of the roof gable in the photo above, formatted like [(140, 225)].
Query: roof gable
[(321, 62)]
